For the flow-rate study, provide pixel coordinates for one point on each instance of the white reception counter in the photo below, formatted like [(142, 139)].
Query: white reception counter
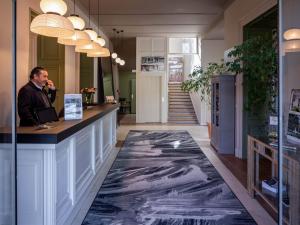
[(59, 168)]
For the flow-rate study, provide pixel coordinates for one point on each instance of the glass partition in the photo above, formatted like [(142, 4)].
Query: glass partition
[(183, 46), (289, 157), (7, 114)]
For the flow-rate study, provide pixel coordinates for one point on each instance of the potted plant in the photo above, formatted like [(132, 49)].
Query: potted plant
[(88, 95), (200, 81), (256, 59)]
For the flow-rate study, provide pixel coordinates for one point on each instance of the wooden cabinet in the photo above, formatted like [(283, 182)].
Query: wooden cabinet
[(223, 113)]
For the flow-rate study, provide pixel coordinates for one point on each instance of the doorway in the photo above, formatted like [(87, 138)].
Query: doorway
[(133, 95)]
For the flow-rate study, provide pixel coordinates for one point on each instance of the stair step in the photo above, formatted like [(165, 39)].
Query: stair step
[(184, 113), (180, 103), (175, 88), (180, 100), (184, 122), (179, 94), (181, 110), (190, 117), (179, 97)]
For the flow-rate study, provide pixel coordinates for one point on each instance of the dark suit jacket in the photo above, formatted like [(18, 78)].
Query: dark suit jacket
[(31, 98)]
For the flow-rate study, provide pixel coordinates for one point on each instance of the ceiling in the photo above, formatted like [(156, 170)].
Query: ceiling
[(157, 17)]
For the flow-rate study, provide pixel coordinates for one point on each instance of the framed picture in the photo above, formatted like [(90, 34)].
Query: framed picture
[(153, 64), (176, 68), (293, 127), (295, 100), (73, 106)]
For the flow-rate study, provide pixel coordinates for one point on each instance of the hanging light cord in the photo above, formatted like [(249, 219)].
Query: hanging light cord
[(89, 13), (74, 6), (98, 16)]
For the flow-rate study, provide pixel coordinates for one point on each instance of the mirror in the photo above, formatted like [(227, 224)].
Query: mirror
[(108, 81)]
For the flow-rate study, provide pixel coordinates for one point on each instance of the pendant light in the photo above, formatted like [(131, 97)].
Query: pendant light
[(114, 55), (118, 60), (292, 34), (103, 53), (292, 45), (52, 23), (86, 48), (79, 37), (122, 62), (93, 35), (99, 40)]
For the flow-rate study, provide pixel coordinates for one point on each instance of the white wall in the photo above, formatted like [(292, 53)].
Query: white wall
[(238, 14), (212, 51), (72, 70), (151, 88)]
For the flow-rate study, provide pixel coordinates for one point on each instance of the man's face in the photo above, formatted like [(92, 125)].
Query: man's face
[(41, 78)]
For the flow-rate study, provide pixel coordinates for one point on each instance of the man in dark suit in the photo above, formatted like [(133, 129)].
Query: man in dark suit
[(33, 96)]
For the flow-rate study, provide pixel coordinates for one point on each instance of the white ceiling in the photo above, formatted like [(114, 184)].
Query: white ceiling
[(157, 17)]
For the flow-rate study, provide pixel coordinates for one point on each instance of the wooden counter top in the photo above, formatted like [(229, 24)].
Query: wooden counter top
[(61, 129)]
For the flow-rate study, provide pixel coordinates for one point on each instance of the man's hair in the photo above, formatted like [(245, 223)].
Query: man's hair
[(36, 70)]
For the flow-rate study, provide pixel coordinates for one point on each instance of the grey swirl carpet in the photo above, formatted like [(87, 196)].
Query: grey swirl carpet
[(163, 178)]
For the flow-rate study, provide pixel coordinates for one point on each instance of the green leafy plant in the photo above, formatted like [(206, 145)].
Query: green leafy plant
[(256, 58), (200, 79)]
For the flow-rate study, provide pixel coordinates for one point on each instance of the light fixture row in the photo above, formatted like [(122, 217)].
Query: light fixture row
[(117, 59), (68, 31)]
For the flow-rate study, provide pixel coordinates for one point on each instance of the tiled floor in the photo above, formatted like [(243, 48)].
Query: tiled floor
[(199, 133)]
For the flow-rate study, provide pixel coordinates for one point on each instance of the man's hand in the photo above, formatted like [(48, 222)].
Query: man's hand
[(51, 84)]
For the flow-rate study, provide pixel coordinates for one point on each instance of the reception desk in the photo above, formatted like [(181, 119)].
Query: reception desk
[(59, 167)]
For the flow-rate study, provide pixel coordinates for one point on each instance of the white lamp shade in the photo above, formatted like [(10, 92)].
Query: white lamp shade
[(122, 63), (78, 22), (93, 35), (86, 48), (292, 34), (292, 46), (79, 38), (114, 55), (118, 60), (52, 25), (54, 6), (100, 41), (103, 53)]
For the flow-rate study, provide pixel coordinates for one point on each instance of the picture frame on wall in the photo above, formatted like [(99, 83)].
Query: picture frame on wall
[(153, 64)]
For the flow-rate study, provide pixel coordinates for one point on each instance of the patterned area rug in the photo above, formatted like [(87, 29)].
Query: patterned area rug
[(163, 178)]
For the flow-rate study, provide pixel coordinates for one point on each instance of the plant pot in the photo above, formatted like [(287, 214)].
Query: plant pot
[(209, 129)]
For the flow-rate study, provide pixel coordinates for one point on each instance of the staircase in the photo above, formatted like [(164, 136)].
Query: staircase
[(181, 110)]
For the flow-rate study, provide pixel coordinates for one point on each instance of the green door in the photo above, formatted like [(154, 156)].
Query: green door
[(133, 95), (86, 71), (51, 56)]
